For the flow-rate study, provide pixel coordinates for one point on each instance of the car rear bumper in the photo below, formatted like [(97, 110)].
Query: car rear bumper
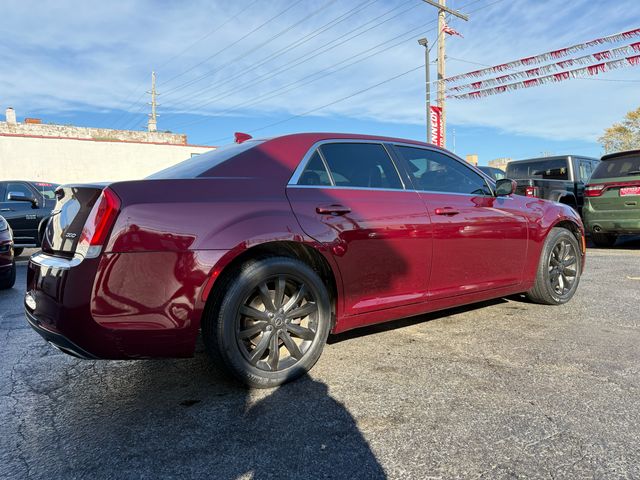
[(605, 224), (120, 305), (58, 340)]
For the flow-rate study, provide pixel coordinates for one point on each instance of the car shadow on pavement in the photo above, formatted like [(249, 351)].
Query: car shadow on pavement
[(182, 419), (406, 322)]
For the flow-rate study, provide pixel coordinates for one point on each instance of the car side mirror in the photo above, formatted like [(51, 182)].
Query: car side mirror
[(21, 197), (505, 187)]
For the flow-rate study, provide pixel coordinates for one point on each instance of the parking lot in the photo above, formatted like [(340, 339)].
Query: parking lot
[(500, 389)]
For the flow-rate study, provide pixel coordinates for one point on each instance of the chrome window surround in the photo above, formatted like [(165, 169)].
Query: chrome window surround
[(295, 178), (293, 181)]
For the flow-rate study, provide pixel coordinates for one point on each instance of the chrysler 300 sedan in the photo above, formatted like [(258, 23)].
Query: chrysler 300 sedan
[(266, 246)]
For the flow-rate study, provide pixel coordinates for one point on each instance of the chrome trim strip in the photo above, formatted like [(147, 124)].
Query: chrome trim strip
[(354, 188), (59, 263)]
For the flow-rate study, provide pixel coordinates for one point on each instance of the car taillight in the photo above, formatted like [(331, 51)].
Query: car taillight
[(593, 190), (531, 191), (99, 223)]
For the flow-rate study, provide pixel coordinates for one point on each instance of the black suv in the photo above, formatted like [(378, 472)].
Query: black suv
[(25, 205)]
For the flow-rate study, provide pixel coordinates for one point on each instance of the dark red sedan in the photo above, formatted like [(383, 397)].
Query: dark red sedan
[(7, 262), (267, 246)]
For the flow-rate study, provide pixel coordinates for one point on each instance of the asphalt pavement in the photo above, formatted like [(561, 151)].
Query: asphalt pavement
[(502, 389)]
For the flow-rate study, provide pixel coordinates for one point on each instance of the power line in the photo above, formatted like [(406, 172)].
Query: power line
[(179, 54), (325, 73), (287, 48), (301, 82), (295, 3), (313, 110), (289, 65)]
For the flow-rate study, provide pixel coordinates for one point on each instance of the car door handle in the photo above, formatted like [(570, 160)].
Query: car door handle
[(446, 211), (334, 209), (5, 209)]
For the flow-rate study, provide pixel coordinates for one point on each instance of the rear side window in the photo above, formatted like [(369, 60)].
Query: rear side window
[(364, 165), (436, 172), (555, 169), (315, 173), (618, 167)]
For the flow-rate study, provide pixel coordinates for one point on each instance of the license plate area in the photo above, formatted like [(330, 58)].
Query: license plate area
[(628, 191)]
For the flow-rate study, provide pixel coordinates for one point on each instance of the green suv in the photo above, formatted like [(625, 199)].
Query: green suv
[(612, 198)]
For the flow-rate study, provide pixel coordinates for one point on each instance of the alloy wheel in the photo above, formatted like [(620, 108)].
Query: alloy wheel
[(277, 323), (563, 265)]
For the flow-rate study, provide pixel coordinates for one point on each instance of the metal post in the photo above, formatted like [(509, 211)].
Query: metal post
[(425, 43), (441, 70)]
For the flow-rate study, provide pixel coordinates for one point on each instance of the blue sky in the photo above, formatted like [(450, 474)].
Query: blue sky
[(249, 64)]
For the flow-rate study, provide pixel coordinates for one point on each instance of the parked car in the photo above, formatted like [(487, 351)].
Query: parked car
[(492, 172), (560, 179), (612, 204), (26, 206), (268, 245), (7, 262)]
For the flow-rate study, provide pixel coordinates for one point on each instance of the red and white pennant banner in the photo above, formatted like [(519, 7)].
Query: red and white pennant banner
[(551, 68), (556, 77), (544, 57)]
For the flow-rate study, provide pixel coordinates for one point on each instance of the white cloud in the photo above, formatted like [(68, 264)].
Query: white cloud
[(68, 55)]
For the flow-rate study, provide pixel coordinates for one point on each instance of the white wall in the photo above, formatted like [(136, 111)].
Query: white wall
[(63, 160)]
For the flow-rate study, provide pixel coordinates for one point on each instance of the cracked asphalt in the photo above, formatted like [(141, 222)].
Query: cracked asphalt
[(503, 389)]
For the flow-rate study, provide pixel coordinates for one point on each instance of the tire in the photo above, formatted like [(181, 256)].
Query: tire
[(247, 331), (10, 281), (604, 240), (18, 251), (559, 269)]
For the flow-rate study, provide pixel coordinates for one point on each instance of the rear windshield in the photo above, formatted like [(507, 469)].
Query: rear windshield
[(198, 165), (618, 167), (546, 169)]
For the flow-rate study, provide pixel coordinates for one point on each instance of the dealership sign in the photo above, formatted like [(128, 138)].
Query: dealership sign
[(436, 126)]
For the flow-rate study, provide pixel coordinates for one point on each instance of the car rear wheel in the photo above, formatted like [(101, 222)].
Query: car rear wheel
[(10, 280), (269, 322), (603, 240), (18, 251), (559, 269)]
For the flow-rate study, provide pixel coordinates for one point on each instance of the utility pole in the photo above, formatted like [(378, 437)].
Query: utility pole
[(425, 43), (153, 116), (442, 11)]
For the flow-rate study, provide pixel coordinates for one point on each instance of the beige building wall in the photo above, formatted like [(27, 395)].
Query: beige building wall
[(64, 160)]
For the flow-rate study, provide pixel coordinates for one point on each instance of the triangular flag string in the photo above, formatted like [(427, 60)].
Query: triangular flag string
[(551, 68), (590, 70), (545, 57)]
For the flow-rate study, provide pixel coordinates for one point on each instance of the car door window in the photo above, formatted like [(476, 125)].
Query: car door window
[(436, 172), (584, 168), (364, 165), (20, 188), (315, 173)]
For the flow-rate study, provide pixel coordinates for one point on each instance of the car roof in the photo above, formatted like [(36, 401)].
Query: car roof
[(555, 157), (620, 154), (314, 137)]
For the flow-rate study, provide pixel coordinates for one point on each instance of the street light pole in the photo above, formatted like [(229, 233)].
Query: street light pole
[(425, 43)]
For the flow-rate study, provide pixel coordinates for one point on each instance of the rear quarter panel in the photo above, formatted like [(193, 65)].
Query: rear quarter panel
[(169, 238)]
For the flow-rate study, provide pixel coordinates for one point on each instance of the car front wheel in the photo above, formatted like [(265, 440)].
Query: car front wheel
[(559, 269), (269, 322)]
